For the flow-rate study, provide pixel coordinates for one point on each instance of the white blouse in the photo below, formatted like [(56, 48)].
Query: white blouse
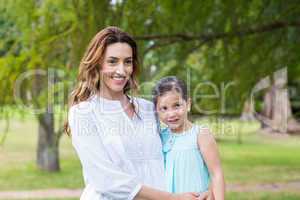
[(118, 154)]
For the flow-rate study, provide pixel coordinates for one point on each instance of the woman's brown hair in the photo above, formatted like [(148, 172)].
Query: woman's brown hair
[(88, 79)]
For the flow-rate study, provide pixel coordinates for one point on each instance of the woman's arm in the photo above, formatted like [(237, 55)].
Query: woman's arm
[(209, 150)]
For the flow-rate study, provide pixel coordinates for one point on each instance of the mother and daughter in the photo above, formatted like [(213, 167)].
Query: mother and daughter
[(124, 152)]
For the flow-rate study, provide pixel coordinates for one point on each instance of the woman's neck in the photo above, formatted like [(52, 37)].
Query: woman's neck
[(112, 96)]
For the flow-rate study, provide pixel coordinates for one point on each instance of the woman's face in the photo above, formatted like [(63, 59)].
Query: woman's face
[(116, 68)]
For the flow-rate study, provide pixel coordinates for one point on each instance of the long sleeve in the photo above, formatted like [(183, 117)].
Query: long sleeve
[(105, 177)]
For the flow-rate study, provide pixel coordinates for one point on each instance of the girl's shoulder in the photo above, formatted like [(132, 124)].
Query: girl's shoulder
[(201, 128), (204, 134)]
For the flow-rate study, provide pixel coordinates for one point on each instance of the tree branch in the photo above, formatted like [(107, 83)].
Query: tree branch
[(160, 44), (206, 37)]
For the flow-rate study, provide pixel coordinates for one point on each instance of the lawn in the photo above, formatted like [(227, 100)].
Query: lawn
[(248, 158)]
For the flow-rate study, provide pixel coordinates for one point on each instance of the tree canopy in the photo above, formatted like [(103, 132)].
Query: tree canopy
[(221, 48)]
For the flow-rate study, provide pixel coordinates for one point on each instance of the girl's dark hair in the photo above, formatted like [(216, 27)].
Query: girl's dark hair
[(169, 83)]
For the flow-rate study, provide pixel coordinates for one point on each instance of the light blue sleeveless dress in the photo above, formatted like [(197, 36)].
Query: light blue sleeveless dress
[(185, 168)]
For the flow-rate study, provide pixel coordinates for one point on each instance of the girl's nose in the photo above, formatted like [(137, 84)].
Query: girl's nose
[(171, 113)]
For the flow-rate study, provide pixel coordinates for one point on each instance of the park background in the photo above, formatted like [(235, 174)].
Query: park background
[(240, 59)]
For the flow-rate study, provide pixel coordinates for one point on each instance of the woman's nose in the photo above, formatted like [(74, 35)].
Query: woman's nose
[(121, 68)]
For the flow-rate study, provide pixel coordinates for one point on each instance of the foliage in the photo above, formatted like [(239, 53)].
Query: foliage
[(217, 41)]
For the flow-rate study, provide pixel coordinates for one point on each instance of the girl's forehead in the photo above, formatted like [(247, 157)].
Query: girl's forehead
[(170, 96)]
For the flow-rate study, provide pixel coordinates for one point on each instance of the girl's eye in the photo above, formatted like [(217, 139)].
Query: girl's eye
[(128, 62), (177, 105), (163, 109)]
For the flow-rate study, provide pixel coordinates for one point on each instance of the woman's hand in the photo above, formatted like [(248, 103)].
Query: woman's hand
[(186, 196), (208, 195), (148, 193)]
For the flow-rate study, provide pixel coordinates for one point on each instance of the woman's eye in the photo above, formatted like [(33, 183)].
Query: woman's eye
[(177, 105), (112, 61)]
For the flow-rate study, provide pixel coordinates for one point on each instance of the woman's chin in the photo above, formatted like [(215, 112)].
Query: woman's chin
[(117, 88)]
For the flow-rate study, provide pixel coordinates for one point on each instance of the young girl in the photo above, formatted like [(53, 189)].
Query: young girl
[(192, 162)]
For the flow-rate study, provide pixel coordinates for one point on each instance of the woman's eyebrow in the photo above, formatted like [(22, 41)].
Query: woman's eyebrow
[(112, 57)]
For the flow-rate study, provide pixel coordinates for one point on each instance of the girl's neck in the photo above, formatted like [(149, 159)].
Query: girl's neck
[(184, 127)]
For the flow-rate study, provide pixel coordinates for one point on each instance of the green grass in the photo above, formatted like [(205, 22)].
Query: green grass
[(262, 196), (27, 177), (257, 159), (263, 163), (17, 166)]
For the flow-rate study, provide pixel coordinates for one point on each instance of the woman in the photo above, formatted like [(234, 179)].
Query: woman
[(115, 135)]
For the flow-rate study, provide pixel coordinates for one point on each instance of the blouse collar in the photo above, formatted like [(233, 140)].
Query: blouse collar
[(108, 105)]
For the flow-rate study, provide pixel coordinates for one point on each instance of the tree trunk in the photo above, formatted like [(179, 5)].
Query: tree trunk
[(47, 152), (277, 107), (268, 104), (248, 111)]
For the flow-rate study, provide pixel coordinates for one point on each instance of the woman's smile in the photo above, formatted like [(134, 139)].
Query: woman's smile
[(119, 80)]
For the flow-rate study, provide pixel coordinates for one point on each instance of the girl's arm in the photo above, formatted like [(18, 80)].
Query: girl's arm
[(209, 150)]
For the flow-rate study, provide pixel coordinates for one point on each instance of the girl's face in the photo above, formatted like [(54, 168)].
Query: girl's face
[(116, 68), (173, 110)]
